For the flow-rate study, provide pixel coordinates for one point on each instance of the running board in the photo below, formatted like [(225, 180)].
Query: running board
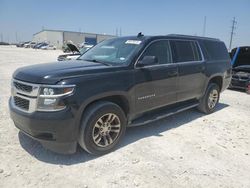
[(163, 113)]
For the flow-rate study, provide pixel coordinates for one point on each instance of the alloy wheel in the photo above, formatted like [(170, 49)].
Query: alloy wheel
[(106, 130), (213, 98)]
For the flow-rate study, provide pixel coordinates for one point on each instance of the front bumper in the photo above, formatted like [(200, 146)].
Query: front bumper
[(56, 131), (239, 84)]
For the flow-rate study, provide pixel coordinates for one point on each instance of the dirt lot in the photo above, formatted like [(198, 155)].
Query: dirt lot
[(186, 150)]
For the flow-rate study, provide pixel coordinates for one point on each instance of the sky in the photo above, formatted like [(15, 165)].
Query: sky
[(20, 19)]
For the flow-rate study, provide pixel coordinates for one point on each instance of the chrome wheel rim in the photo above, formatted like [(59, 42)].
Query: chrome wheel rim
[(213, 98), (106, 130)]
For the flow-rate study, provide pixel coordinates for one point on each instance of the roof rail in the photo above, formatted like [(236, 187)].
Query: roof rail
[(190, 36)]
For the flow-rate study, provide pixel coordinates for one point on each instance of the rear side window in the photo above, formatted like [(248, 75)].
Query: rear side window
[(216, 50), (161, 50), (185, 51)]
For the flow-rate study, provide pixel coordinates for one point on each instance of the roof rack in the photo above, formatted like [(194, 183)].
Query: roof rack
[(190, 36)]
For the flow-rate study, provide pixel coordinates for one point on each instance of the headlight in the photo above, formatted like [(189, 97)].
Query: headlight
[(50, 98)]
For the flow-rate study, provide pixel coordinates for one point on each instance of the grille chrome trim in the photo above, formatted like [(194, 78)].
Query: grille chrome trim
[(33, 93), (32, 103), (21, 102), (22, 87), (30, 96)]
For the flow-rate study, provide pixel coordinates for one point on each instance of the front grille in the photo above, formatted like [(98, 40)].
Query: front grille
[(21, 103), (22, 87)]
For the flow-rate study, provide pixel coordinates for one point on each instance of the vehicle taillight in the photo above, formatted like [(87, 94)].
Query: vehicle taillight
[(248, 88)]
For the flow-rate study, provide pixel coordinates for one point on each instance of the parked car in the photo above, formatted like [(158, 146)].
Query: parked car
[(41, 45), (85, 44), (21, 44), (241, 67), (4, 43), (48, 47), (75, 52), (36, 46), (29, 45), (120, 82)]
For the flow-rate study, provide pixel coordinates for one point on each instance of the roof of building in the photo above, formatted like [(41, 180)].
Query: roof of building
[(53, 30)]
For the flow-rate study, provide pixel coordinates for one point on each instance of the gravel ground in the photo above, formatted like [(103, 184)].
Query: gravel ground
[(185, 150)]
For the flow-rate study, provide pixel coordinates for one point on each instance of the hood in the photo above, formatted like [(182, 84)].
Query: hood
[(51, 73), (73, 48), (241, 56), (243, 68)]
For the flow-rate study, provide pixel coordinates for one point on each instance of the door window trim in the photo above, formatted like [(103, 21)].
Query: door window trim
[(199, 48), (181, 62), (157, 40)]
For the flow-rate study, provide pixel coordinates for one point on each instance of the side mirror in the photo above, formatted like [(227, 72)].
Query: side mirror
[(147, 60)]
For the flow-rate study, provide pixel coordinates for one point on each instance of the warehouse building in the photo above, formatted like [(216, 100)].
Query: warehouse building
[(58, 37)]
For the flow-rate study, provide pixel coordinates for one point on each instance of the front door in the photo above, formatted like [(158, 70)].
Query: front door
[(156, 84)]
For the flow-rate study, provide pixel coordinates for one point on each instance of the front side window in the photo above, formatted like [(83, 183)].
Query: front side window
[(112, 51), (161, 50), (185, 51)]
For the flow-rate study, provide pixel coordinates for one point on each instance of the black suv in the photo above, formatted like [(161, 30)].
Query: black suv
[(121, 82)]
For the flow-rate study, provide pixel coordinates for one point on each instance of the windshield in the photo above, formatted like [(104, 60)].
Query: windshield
[(113, 51)]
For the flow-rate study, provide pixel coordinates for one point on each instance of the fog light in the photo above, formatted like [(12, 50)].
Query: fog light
[(49, 101)]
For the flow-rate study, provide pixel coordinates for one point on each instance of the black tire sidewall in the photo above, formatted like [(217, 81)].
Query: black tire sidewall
[(85, 138)]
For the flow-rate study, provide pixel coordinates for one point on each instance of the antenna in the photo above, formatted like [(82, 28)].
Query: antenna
[(233, 27)]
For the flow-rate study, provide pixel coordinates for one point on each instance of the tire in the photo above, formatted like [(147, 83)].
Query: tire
[(205, 105), (101, 122)]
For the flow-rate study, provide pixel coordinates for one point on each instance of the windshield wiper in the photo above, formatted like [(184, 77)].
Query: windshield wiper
[(97, 61)]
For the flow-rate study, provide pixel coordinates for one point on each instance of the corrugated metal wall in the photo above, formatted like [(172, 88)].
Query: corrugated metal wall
[(58, 38)]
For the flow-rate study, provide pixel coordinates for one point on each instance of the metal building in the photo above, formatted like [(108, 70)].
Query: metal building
[(58, 37)]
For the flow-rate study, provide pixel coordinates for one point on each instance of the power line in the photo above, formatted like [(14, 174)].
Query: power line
[(233, 28)]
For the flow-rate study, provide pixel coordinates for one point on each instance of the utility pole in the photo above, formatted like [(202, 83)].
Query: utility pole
[(116, 32), (16, 37), (232, 33), (120, 31), (204, 26)]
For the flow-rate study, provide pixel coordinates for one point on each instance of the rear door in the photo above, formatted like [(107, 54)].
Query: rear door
[(191, 69), (156, 84)]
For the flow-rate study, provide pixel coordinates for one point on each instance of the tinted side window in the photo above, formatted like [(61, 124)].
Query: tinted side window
[(160, 49), (185, 51), (216, 50)]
